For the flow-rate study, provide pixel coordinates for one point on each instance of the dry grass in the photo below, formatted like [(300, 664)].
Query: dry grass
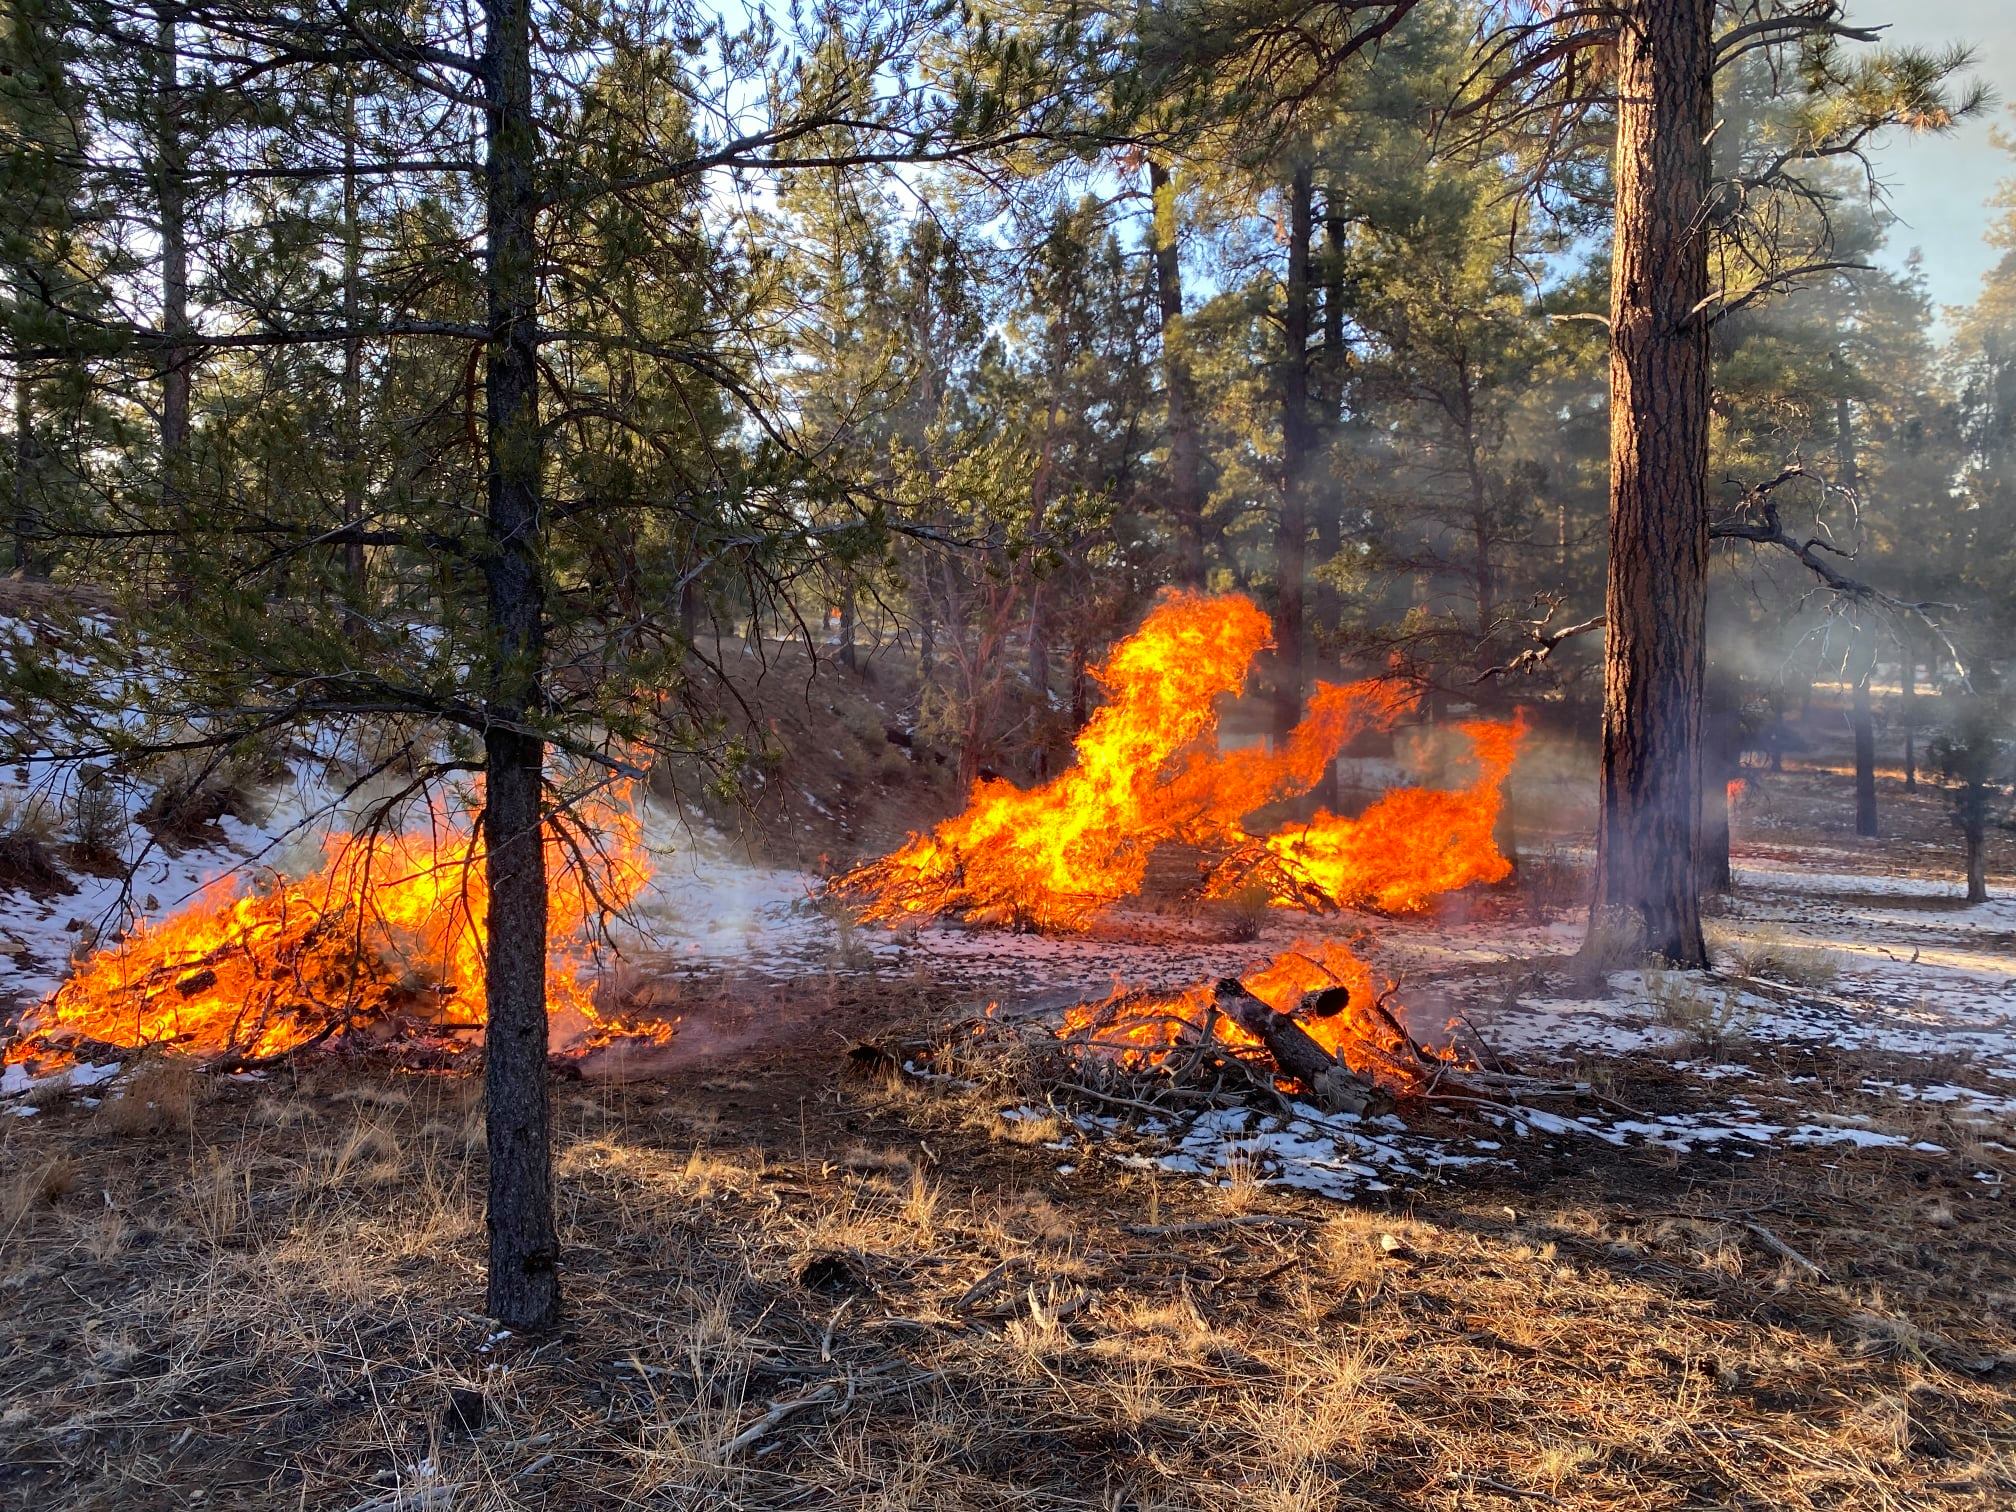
[(1709, 1015), (889, 1298), (1772, 958)]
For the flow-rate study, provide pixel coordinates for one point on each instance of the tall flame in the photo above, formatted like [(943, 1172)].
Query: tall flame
[(1052, 857), (393, 924)]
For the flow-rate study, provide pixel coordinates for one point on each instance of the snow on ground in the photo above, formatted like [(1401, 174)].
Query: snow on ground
[(1834, 962), (1886, 967)]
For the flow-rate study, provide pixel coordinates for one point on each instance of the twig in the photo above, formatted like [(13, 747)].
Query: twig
[(990, 1283), (1118, 1102), (1214, 1225), (1763, 1235), (1784, 1251), (777, 1414)]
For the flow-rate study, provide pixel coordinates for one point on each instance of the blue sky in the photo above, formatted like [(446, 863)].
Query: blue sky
[(1941, 185)]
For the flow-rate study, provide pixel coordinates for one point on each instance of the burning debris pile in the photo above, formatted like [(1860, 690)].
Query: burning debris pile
[(387, 934), (1149, 773), (1311, 1021)]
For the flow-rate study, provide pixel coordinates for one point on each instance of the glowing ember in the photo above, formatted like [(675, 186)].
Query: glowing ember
[(1147, 774), (1734, 792), (1407, 849), (391, 928), (1139, 1030)]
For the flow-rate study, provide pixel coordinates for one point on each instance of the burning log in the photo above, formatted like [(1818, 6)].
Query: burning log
[(1335, 1086), (1312, 1017)]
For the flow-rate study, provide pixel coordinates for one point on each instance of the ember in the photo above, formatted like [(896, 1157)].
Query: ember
[(391, 928)]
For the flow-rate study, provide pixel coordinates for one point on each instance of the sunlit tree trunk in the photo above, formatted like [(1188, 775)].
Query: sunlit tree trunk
[(1862, 657), (1656, 599), (524, 1247)]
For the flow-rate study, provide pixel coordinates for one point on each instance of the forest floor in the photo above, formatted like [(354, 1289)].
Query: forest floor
[(1767, 1262)]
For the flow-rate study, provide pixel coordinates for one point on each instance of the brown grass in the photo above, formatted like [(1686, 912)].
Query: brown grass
[(882, 1298)]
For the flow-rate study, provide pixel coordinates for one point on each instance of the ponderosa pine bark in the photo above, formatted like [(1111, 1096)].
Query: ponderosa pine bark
[(1862, 657), (1648, 828), (524, 1287), (353, 363), (1186, 485), (1291, 549)]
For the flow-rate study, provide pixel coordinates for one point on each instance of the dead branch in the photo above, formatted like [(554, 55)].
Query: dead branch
[(1545, 642)]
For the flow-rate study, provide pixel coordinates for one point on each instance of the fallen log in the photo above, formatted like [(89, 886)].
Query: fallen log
[(1335, 1087)]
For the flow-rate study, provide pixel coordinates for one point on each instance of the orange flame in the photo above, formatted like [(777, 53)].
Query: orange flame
[(1147, 773), (392, 926), (1735, 792), (1139, 1030), (1407, 849)]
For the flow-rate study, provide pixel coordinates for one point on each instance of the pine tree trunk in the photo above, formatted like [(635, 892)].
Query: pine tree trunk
[(1721, 763), (1186, 487), (524, 1248), (1862, 717), (1297, 444), (1039, 509), (174, 231), (847, 616), (1862, 657), (1484, 582), (1976, 833), (1336, 358), (353, 367), (1910, 714), (1656, 599), (1717, 875)]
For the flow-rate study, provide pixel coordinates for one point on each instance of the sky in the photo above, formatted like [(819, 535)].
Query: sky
[(1940, 185)]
